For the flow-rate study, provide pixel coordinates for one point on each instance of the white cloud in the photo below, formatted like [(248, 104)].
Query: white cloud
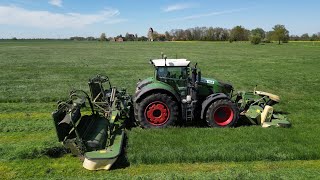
[(115, 21), (197, 16), (177, 7), (12, 15), (56, 3)]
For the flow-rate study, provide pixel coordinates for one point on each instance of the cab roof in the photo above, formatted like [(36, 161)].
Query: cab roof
[(170, 62)]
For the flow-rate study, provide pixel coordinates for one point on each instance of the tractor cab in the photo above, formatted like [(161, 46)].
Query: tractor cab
[(171, 68), (174, 72)]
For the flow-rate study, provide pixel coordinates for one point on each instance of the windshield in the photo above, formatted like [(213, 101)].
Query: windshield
[(172, 72)]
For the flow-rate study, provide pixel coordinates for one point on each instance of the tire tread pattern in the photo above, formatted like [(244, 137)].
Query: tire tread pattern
[(139, 109), (222, 102)]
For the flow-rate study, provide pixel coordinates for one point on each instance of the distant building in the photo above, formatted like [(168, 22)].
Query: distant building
[(119, 39), (130, 37), (111, 39), (150, 34)]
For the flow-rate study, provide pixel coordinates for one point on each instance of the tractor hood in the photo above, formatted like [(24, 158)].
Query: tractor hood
[(208, 81), (217, 86)]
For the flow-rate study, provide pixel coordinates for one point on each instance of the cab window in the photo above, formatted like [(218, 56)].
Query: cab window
[(172, 72)]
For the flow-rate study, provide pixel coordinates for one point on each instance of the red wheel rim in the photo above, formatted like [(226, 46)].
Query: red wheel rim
[(223, 115), (157, 113)]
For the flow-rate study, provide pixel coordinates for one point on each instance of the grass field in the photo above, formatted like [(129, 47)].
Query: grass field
[(34, 75)]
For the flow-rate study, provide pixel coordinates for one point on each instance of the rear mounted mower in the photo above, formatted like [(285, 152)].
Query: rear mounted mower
[(96, 135)]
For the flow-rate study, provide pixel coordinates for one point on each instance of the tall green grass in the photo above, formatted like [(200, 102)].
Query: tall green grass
[(210, 145)]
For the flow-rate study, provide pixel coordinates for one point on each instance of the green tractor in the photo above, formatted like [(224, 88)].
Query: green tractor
[(178, 93)]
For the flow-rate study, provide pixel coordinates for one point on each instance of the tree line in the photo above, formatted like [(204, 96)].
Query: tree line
[(278, 33), (238, 33)]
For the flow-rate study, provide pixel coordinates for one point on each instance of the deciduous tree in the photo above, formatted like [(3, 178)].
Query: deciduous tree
[(103, 37), (239, 33), (280, 33), (305, 37), (258, 32)]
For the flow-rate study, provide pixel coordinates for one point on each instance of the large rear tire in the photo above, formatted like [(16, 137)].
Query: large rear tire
[(156, 111), (222, 113)]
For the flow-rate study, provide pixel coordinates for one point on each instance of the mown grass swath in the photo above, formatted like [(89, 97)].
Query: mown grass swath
[(34, 75)]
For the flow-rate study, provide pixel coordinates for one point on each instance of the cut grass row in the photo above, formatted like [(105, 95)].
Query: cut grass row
[(71, 168)]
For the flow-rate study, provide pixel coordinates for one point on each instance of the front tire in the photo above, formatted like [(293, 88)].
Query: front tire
[(156, 111), (222, 113)]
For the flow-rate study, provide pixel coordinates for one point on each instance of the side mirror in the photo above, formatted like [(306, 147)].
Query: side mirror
[(199, 76)]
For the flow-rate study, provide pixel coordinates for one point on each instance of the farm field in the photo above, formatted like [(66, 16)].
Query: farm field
[(36, 74)]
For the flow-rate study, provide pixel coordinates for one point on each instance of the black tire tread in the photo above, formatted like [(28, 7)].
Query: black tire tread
[(228, 102), (171, 103)]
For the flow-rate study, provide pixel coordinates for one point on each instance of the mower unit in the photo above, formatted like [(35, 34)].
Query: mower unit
[(256, 108), (96, 136)]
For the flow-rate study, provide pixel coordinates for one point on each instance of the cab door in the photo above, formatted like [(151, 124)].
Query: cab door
[(176, 77)]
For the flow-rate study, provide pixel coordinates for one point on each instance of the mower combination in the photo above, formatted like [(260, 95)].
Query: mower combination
[(176, 94)]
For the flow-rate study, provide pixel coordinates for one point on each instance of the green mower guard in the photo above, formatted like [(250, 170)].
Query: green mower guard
[(256, 107)]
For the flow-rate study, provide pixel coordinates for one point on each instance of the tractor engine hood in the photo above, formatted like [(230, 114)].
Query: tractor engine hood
[(218, 86), (209, 81)]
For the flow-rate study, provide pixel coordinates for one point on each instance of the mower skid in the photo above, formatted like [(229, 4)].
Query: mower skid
[(104, 159), (278, 120), (277, 123), (98, 164)]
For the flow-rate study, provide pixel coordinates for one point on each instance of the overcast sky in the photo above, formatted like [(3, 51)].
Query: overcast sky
[(65, 18)]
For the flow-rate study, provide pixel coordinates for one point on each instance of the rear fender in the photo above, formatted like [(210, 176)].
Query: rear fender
[(156, 88), (209, 100)]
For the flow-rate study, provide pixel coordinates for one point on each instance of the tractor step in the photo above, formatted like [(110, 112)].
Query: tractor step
[(189, 113)]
